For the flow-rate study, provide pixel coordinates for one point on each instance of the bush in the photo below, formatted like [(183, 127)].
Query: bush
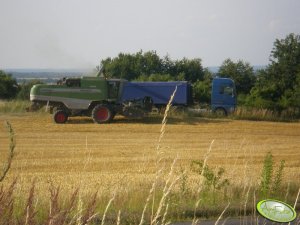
[(24, 93), (8, 86)]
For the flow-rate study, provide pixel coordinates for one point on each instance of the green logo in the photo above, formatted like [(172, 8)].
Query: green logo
[(276, 211)]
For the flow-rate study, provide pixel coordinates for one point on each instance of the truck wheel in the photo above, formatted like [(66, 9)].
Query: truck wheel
[(102, 114), (220, 112), (60, 116)]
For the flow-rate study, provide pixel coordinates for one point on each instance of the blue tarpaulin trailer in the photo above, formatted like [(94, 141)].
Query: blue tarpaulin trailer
[(160, 92), (223, 95)]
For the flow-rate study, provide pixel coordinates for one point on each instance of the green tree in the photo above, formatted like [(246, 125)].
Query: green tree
[(149, 63), (202, 88), (242, 74), (142, 65), (8, 86), (155, 77), (122, 66), (191, 68), (278, 86)]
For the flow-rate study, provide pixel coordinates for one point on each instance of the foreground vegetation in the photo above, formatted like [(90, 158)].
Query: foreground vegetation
[(241, 113), (138, 171)]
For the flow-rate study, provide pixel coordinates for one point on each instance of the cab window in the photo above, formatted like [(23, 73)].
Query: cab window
[(226, 90)]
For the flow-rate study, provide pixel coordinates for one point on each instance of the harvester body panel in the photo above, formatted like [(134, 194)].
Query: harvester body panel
[(74, 93)]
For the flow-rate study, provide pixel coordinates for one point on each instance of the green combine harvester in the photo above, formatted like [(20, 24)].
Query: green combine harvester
[(96, 97)]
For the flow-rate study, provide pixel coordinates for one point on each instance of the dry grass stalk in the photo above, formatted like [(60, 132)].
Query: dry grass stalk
[(297, 199), (220, 217), (166, 191), (287, 192), (224, 222), (254, 209), (12, 145), (163, 124), (7, 203), (165, 215), (119, 218), (158, 159), (204, 165), (78, 214), (149, 196), (30, 211), (295, 204), (195, 221), (245, 206), (58, 214), (90, 210), (106, 209)]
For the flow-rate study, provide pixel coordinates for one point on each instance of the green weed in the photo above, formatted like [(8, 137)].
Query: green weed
[(270, 182)]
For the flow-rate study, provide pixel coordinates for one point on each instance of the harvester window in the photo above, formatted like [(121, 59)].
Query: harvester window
[(73, 82), (113, 89)]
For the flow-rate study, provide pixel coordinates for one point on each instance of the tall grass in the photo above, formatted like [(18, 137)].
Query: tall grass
[(163, 203), (241, 113), (14, 106), (11, 151), (247, 113)]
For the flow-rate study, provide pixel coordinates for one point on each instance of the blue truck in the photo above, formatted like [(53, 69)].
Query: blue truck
[(223, 95)]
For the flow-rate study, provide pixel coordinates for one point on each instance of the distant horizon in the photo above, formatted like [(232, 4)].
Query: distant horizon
[(53, 75), (37, 69)]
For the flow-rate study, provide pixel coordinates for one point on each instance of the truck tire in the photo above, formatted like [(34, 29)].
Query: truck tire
[(60, 116), (102, 114), (220, 112)]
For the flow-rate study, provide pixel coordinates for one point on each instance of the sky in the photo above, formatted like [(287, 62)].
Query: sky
[(56, 34)]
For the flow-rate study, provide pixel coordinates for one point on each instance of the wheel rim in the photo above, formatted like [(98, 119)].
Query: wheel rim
[(102, 114), (60, 117)]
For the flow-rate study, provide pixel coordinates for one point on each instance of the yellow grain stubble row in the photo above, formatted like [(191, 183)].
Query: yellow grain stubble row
[(122, 155)]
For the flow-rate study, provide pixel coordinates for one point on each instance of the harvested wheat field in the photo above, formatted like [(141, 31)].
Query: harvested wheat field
[(123, 157), (125, 151)]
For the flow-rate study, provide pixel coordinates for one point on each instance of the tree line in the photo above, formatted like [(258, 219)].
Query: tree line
[(10, 89), (276, 87)]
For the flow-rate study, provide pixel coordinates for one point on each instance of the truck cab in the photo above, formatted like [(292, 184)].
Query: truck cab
[(223, 96)]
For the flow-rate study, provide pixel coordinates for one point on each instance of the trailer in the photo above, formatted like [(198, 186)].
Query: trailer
[(223, 95), (159, 92)]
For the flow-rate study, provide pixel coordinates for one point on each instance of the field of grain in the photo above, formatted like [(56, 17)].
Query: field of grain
[(122, 157)]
